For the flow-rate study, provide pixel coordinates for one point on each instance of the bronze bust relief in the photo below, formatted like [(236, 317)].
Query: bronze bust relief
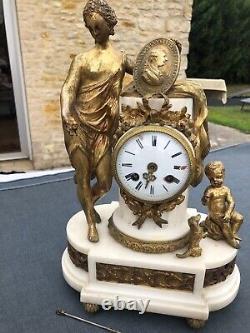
[(153, 72), (157, 67)]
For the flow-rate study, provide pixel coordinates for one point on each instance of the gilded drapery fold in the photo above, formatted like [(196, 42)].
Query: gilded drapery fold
[(97, 114), (200, 113)]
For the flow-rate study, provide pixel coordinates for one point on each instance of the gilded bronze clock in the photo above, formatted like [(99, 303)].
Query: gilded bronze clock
[(153, 164)]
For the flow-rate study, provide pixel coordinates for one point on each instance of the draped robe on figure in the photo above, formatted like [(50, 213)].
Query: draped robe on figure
[(97, 114)]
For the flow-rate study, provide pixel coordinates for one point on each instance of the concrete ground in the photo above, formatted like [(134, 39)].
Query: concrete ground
[(223, 136), (33, 216)]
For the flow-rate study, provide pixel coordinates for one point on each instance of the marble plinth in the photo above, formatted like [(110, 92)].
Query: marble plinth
[(177, 227), (190, 287), (156, 103)]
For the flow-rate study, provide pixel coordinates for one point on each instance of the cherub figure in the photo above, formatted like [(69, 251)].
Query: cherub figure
[(197, 233), (223, 221)]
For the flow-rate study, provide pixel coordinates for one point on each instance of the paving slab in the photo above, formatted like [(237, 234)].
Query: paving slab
[(223, 136)]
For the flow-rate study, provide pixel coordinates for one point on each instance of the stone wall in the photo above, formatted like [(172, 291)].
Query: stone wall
[(52, 32)]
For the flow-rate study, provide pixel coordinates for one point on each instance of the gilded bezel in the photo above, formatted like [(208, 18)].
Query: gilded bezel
[(155, 128)]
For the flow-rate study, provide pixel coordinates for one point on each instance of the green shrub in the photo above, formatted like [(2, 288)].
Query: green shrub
[(220, 40)]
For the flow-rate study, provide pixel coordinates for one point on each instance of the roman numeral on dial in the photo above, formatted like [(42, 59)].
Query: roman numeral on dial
[(154, 140), (129, 152), (177, 154), (139, 186), (167, 145), (128, 165), (179, 167), (165, 188), (139, 143), (152, 190)]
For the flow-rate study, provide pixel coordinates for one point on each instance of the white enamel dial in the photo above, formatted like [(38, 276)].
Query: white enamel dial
[(153, 163)]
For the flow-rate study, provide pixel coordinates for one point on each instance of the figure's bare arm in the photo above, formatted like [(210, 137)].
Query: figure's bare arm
[(69, 89), (206, 197), (230, 204), (129, 66)]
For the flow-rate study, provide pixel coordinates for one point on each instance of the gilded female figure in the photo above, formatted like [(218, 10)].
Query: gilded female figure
[(89, 107)]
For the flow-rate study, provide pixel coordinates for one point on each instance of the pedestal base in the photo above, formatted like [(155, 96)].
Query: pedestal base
[(151, 238), (190, 287)]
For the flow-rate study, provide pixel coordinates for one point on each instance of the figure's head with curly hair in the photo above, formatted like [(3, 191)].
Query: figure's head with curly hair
[(99, 18), (215, 172)]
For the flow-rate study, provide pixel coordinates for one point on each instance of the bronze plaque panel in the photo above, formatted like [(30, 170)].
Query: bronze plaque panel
[(145, 277), (150, 277), (219, 274), (79, 259)]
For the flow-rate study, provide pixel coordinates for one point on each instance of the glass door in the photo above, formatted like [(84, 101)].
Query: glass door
[(9, 134), (14, 135)]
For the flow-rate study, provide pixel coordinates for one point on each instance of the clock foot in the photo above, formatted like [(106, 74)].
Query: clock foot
[(91, 308), (196, 323)]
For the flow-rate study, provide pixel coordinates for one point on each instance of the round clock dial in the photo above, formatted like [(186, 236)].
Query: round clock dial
[(153, 163)]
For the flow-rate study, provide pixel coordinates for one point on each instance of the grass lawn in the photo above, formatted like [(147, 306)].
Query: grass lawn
[(231, 116)]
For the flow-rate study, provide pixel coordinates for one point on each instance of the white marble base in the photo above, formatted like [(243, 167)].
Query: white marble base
[(196, 304)]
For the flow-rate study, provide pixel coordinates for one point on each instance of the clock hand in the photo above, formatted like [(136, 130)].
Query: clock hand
[(150, 177), (146, 176)]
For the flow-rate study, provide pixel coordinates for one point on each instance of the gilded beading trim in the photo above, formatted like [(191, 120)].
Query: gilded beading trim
[(146, 246)]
